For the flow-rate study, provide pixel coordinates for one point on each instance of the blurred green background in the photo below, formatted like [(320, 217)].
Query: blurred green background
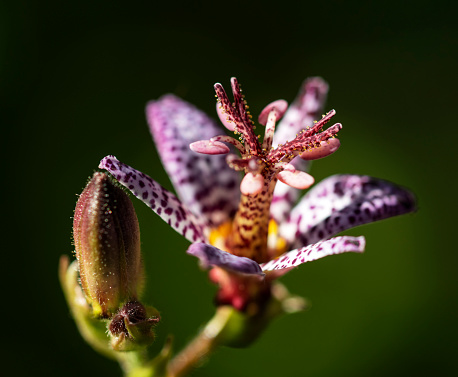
[(74, 79)]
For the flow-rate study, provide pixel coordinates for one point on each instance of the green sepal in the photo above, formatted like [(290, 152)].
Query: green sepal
[(132, 328), (94, 331)]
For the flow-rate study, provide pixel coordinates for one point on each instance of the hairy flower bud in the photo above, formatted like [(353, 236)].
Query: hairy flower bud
[(107, 245)]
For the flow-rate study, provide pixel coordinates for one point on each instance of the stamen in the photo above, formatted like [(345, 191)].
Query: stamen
[(325, 135), (319, 124), (295, 178), (209, 147), (279, 106), (252, 164), (303, 142), (230, 140), (270, 130), (326, 148), (252, 184)]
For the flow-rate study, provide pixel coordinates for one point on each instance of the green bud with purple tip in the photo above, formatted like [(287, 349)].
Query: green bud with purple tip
[(107, 245)]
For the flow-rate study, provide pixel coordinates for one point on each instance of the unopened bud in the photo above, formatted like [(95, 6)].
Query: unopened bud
[(107, 244)]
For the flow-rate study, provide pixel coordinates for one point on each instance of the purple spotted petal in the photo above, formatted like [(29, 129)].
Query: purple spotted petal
[(205, 184), (283, 200), (341, 202), (161, 201), (306, 108), (319, 250), (212, 256)]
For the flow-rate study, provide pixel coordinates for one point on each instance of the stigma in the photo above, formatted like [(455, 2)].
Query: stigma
[(258, 158)]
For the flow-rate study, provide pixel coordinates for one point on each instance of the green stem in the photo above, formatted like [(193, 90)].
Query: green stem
[(202, 345), (132, 362), (135, 364), (94, 331)]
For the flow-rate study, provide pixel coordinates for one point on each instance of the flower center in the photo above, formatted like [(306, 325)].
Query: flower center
[(263, 165), (250, 225), (276, 245)]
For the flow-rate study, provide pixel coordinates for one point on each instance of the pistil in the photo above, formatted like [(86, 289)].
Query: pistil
[(250, 226)]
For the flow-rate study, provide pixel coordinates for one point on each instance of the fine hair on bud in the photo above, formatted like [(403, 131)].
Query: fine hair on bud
[(107, 245)]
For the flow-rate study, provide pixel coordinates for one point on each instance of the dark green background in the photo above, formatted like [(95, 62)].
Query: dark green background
[(74, 79)]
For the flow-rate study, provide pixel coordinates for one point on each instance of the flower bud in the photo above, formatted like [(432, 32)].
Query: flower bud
[(132, 327), (107, 245)]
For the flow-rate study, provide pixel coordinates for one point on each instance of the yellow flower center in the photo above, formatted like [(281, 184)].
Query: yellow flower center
[(276, 245)]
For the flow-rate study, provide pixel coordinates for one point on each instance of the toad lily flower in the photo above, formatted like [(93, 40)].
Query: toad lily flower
[(242, 228)]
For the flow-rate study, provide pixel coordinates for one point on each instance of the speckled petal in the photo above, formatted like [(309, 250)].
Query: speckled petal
[(285, 196), (306, 108), (211, 256), (341, 202), (161, 201), (283, 200), (316, 251), (204, 183)]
